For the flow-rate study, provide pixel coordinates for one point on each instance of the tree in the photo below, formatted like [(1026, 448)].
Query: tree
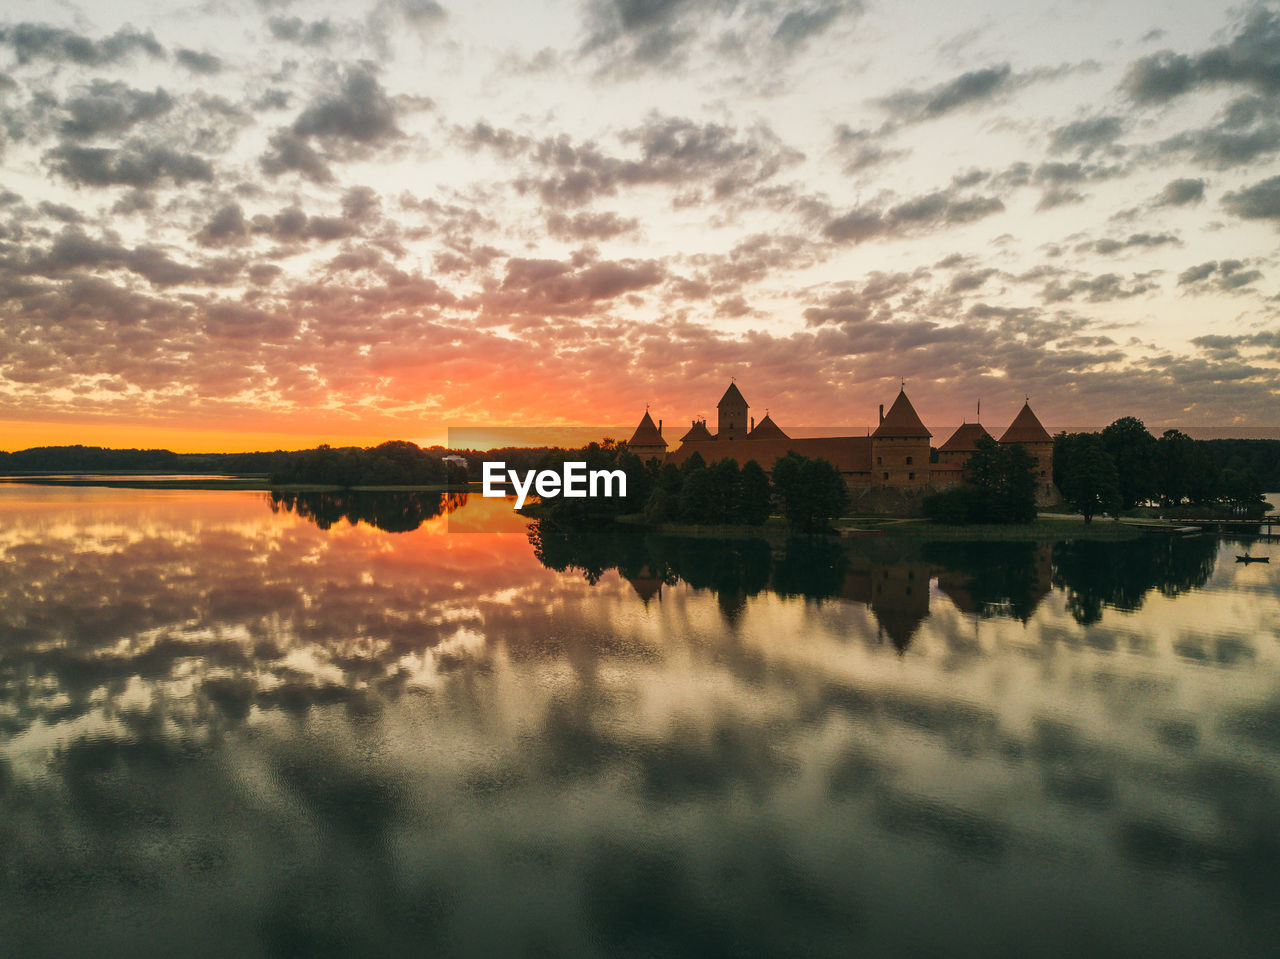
[(1091, 484), (728, 482), (1004, 474), (699, 497), (812, 491), (753, 494), (1133, 450)]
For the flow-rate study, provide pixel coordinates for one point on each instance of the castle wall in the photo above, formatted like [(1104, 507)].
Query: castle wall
[(900, 462)]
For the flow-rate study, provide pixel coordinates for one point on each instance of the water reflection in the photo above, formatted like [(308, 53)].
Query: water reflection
[(225, 724), (393, 512)]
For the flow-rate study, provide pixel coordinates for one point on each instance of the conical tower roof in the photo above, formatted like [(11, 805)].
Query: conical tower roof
[(901, 420), (767, 429), (698, 433), (732, 397), (965, 439), (1025, 428), (646, 434)]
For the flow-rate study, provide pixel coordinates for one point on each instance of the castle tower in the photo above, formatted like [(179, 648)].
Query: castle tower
[(900, 447), (732, 422), (963, 443), (647, 442), (767, 429), (1026, 429)]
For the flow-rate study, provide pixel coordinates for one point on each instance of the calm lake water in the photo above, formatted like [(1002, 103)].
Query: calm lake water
[(326, 725)]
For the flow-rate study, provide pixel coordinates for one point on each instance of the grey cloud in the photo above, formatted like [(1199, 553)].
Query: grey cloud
[(864, 148), (112, 107), (227, 227), (137, 164), (315, 33), (1059, 196), (911, 106), (801, 25), (1086, 135), (1224, 276), (941, 208), (672, 150), (1109, 246), (970, 280), (61, 212), (1250, 58), (534, 286), (197, 62), (350, 121), (1261, 201), (1181, 192), (1097, 289), (589, 226), (226, 320), (32, 41), (74, 250)]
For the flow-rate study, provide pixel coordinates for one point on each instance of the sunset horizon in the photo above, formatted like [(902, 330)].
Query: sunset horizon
[(259, 225)]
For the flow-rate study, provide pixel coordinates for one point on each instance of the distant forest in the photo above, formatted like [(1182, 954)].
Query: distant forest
[(394, 463), (353, 466)]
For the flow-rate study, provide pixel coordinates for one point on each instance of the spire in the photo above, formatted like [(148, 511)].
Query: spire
[(901, 420), (1026, 428), (646, 434)]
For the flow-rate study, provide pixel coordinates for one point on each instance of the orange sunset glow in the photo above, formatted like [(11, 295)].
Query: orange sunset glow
[(266, 227)]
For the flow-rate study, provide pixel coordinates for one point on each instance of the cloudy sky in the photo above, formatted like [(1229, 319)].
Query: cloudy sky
[(259, 223)]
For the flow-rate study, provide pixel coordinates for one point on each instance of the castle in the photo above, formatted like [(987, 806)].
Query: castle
[(895, 457)]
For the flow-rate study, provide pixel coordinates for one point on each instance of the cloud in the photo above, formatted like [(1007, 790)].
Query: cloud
[(1102, 288), (1261, 201), (1144, 241), (206, 64), (314, 33), (111, 107), (350, 121), (589, 226), (1225, 276), (710, 158), (627, 36), (38, 41), (138, 164), (800, 25), (1088, 135), (1185, 191), (864, 148), (931, 211), (1251, 58), (549, 287)]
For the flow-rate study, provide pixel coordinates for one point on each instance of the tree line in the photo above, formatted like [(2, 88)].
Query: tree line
[(395, 463), (809, 491), (1124, 466), (999, 488)]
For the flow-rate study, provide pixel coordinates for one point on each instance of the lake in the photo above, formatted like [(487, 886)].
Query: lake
[(232, 724)]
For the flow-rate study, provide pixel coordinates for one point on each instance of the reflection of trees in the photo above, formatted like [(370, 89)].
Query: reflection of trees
[(992, 579), (391, 512), (1121, 574)]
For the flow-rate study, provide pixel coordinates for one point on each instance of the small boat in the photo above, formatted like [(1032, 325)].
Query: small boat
[(1246, 558)]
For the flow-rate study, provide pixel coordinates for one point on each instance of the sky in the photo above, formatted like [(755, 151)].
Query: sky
[(256, 224)]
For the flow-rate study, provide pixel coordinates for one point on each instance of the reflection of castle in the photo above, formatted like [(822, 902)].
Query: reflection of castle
[(895, 456)]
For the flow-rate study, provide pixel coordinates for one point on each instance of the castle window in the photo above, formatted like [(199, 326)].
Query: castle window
[(886, 475), (879, 460), (908, 460), (1042, 472), (911, 476)]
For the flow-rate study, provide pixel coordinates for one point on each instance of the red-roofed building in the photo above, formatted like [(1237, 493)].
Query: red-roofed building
[(1026, 430), (895, 456), (647, 442)]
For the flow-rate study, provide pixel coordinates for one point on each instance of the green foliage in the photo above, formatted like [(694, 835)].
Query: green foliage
[(1133, 450), (1003, 475), (956, 506), (812, 491), (395, 463), (754, 494), (1090, 483), (699, 497)]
